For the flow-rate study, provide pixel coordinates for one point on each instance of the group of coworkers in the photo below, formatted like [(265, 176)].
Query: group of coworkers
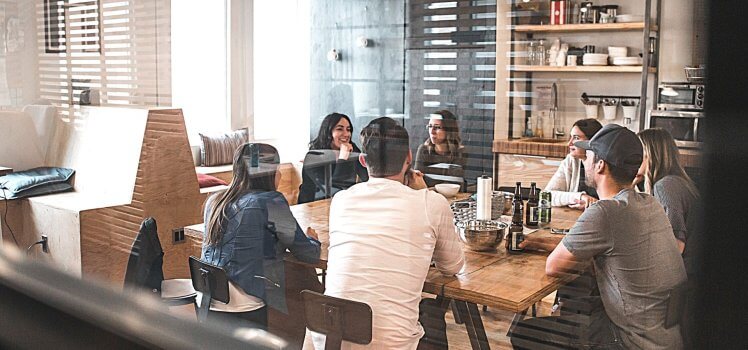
[(635, 244)]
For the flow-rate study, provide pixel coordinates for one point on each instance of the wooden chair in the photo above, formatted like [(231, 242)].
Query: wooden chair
[(145, 268), (211, 281), (339, 319)]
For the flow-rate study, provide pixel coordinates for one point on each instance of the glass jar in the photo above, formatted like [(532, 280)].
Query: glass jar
[(541, 57)]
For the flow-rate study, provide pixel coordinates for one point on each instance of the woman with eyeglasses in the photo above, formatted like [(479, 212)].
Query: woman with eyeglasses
[(334, 137), (567, 186), (444, 146)]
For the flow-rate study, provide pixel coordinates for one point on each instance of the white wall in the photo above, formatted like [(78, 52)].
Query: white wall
[(199, 65), (676, 43), (281, 75), (19, 77)]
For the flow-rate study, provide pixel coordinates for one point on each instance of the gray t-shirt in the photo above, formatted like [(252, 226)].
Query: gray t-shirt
[(682, 209), (636, 262)]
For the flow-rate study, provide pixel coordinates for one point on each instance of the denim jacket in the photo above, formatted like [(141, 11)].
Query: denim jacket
[(259, 229)]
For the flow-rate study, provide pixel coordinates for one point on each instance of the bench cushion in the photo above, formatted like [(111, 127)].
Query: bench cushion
[(205, 180), (36, 181), (219, 149)]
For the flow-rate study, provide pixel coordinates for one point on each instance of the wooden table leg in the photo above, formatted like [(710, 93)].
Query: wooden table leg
[(473, 324), (517, 317)]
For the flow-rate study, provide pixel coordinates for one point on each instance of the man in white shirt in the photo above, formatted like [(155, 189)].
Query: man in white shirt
[(384, 234)]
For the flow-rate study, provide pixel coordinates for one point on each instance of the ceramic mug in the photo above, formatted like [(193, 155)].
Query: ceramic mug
[(610, 112), (629, 112), (591, 110)]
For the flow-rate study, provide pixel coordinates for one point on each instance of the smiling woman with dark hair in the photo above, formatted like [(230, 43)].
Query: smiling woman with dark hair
[(567, 185), (335, 135)]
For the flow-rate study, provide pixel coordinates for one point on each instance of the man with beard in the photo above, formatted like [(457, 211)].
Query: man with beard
[(627, 237)]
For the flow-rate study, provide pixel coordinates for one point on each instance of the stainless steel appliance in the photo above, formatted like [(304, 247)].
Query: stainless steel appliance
[(680, 96), (685, 126)]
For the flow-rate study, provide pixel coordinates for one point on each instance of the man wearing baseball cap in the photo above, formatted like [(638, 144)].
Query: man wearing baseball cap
[(627, 237)]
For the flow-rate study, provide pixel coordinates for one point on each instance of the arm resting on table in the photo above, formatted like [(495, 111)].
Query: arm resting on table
[(560, 262)]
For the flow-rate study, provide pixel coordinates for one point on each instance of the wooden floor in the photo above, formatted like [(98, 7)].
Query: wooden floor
[(496, 323)]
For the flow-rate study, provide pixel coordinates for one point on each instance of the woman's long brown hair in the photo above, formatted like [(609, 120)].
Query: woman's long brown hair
[(662, 159), (453, 140), (240, 184)]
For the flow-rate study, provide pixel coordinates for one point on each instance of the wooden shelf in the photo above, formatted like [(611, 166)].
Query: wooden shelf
[(589, 69), (586, 27)]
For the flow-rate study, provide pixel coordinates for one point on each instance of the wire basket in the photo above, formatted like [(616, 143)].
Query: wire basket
[(695, 74)]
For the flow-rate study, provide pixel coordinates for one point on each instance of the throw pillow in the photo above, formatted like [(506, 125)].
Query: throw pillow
[(36, 181), (205, 180), (219, 149)]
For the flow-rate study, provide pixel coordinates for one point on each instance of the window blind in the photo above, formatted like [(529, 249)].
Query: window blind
[(451, 58), (119, 48)]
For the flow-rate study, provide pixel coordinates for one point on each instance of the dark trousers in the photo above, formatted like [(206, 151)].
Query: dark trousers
[(574, 331), (251, 319), (431, 316)]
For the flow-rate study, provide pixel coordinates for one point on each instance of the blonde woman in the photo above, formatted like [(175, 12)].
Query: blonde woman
[(668, 182)]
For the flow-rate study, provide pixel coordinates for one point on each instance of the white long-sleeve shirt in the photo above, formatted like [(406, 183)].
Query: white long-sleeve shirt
[(383, 237), (564, 185)]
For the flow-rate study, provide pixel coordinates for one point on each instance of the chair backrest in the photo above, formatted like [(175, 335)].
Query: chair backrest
[(145, 265), (209, 279), (339, 319)]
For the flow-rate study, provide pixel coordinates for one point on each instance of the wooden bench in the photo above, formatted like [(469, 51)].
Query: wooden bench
[(130, 164)]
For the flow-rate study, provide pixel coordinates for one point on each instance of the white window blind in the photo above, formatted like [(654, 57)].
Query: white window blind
[(119, 48)]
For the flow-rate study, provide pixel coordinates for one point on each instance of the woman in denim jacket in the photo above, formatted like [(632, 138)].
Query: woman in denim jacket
[(248, 228)]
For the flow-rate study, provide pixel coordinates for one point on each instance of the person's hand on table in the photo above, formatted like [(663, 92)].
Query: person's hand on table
[(312, 233), (414, 179), (584, 202), (532, 242)]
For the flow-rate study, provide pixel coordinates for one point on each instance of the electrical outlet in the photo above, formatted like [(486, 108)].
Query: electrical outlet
[(45, 244), (178, 234)]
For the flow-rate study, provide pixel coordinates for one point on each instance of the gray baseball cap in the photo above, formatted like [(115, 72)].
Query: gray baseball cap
[(616, 145)]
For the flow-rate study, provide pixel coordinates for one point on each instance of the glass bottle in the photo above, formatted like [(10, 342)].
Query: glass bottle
[(515, 235), (531, 210)]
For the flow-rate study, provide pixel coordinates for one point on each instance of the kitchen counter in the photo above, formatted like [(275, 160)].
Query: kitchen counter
[(532, 147), (689, 158)]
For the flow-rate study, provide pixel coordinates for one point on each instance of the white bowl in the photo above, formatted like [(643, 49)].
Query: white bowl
[(595, 56), (629, 18), (447, 190)]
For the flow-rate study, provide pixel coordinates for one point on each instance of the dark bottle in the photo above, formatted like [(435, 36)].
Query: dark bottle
[(515, 235), (531, 211), (517, 201)]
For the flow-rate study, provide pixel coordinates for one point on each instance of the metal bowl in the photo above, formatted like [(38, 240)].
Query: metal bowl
[(481, 235)]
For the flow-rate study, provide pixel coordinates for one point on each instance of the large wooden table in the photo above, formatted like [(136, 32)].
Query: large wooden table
[(512, 282)]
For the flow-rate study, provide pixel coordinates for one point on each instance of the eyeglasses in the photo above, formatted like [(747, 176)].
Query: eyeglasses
[(435, 127)]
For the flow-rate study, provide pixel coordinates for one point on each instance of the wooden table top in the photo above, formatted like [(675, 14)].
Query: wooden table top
[(5, 170), (498, 279)]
